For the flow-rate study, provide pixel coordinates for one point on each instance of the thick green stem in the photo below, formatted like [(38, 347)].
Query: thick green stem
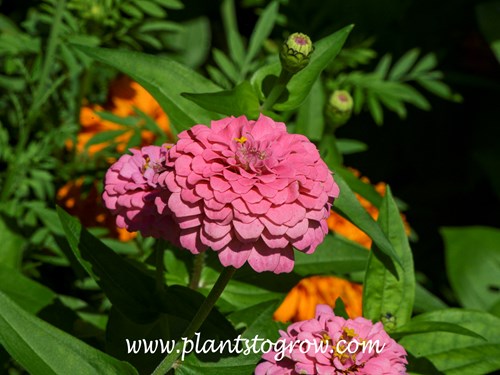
[(277, 90), (199, 262), (202, 313)]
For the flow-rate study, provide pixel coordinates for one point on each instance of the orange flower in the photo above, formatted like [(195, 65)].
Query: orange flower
[(87, 206), (125, 96), (342, 226), (301, 301)]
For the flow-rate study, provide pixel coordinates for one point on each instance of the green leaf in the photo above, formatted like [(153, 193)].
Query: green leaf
[(389, 288), (365, 189), (348, 206), (415, 326), (240, 100), (171, 4), (259, 323), (383, 66), (404, 64), (351, 146), (165, 80), (339, 309), (128, 289), (426, 301), (12, 242), (260, 33), (439, 89), (45, 350), (160, 26), (150, 8), (310, 120), (425, 64), (458, 354), (235, 44), (375, 108), (473, 265), (105, 136), (301, 83), (27, 293), (334, 255), (225, 65)]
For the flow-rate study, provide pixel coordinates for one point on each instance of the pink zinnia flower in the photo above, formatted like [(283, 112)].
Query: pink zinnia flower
[(248, 190), (336, 346), (130, 189)]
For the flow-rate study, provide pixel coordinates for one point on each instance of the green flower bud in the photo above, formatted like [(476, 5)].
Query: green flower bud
[(295, 52), (340, 107)]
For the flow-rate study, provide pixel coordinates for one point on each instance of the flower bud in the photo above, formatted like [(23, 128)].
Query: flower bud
[(340, 107), (295, 52)]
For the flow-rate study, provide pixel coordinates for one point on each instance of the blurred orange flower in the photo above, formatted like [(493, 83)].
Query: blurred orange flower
[(125, 96), (301, 301), (88, 208)]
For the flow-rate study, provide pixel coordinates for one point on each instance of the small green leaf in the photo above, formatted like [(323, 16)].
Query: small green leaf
[(165, 80), (27, 293), (339, 309), (383, 66), (225, 65), (310, 120), (236, 48), (129, 290), (350, 146), (439, 89), (12, 241), (241, 100), (150, 8), (425, 64), (375, 108), (260, 33), (473, 265), (389, 295), (404, 64), (458, 354), (171, 4), (45, 350)]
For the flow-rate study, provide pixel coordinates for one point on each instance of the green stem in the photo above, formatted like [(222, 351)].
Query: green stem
[(199, 262), (277, 90), (202, 313)]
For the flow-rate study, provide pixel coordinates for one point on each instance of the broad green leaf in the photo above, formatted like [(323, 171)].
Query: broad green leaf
[(12, 242), (348, 206), (473, 265), (165, 80), (365, 189), (45, 350), (129, 290), (301, 83), (415, 326), (458, 354), (28, 294), (333, 255), (389, 288), (259, 324), (235, 44), (404, 64), (426, 301), (238, 101), (260, 33), (310, 119)]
